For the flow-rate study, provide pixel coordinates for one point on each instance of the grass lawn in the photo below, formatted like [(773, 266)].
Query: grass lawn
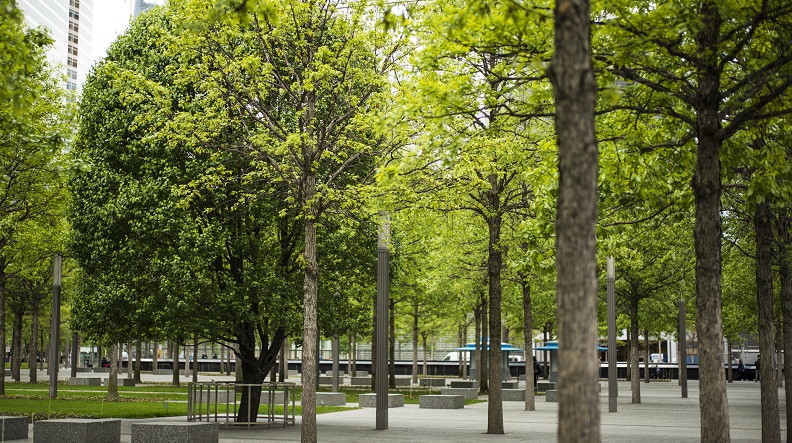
[(144, 401)]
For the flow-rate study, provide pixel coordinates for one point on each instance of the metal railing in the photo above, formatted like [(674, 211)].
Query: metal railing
[(219, 402)]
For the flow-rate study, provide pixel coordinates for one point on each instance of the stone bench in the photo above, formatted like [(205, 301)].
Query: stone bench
[(330, 399), (102, 370), (122, 381), (85, 381), (402, 381), (545, 386), (175, 432), (513, 395), (360, 381), (13, 428), (463, 384), (360, 373), (510, 385), (468, 393), (77, 430), (326, 380), (551, 396), (433, 382), (370, 400), (441, 401), (84, 370)]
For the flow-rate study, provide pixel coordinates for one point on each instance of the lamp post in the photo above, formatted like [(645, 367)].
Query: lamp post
[(613, 388), (383, 283)]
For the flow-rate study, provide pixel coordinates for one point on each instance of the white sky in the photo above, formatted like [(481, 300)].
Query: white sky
[(110, 19)]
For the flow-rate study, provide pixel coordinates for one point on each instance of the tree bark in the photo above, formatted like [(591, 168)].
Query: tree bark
[(392, 345), (771, 427), (494, 264), (138, 360), (415, 344), (635, 368), (708, 231), (3, 280), (16, 348), (174, 351), (112, 382), (530, 398), (646, 358), (310, 326), (483, 366), (575, 90), (782, 226), (34, 341)]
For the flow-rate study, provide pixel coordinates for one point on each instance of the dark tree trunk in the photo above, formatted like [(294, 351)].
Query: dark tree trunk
[(34, 341), (478, 343), (392, 343), (138, 359), (494, 264), (256, 368), (782, 224), (16, 347), (3, 279), (155, 356), (530, 400), (646, 358), (771, 430), (635, 368), (174, 351), (310, 326), (425, 353), (575, 92), (483, 365), (707, 233), (415, 343)]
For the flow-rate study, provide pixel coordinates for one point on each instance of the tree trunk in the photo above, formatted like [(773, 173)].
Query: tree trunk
[(425, 352), (195, 360), (353, 352), (635, 369), (575, 92), (34, 341), (174, 351), (3, 279), (155, 357), (415, 344), (478, 344), (646, 358), (112, 382), (16, 348), (494, 264), (708, 232), (392, 345), (782, 224), (310, 327), (138, 360), (530, 400), (771, 430), (483, 355), (284, 361)]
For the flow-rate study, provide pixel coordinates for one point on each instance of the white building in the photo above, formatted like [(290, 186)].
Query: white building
[(70, 24)]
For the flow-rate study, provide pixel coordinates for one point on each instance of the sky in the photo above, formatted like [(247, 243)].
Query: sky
[(110, 19)]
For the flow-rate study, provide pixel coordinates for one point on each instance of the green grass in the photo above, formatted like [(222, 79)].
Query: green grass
[(32, 400)]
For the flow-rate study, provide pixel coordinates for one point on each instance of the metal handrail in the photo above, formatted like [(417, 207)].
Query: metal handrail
[(203, 402)]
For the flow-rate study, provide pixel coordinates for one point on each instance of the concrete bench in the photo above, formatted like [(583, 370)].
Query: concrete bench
[(521, 378), (545, 386), (85, 381), (551, 396), (513, 395), (102, 370), (175, 432), (510, 385), (360, 373), (122, 381), (441, 401), (77, 430), (360, 381), (433, 382), (13, 428), (327, 380), (84, 370), (402, 381), (468, 393), (370, 400), (463, 384), (330, 399), (162, 372)]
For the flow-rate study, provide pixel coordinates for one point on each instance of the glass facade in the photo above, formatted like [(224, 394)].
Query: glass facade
[(139, 6)]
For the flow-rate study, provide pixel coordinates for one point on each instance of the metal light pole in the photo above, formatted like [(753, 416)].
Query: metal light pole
[(55, 327), (682, 349), (383, 283), (613, 388)]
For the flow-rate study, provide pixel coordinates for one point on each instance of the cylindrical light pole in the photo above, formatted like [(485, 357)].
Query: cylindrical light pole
[(383, 283), (613, 388), (55, 327)]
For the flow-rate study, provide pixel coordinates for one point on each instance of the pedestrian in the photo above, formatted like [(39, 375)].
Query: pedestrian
[(536, 370), (741, 370), (756, 369)]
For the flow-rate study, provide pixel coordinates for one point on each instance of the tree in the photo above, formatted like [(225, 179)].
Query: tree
[(712, 67), (575, 92), (33, 115)]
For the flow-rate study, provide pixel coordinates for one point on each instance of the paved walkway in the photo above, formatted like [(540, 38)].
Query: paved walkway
[(662, 417)]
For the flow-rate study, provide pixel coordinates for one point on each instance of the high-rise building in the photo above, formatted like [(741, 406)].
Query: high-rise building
[(70, 24), (138, 6)]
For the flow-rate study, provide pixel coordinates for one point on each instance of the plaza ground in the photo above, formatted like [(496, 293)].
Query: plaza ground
[(663, 416)]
